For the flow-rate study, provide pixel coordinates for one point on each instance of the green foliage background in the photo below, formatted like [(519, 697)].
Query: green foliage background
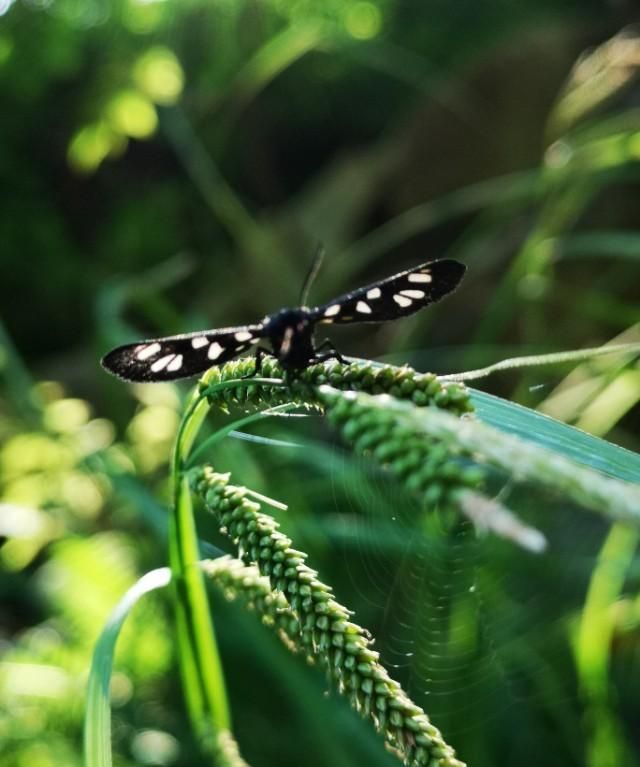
[(172, 165)]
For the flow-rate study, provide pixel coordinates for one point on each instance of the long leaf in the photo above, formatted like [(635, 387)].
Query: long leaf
[(555, 435)]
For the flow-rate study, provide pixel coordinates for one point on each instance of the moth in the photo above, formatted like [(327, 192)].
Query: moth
[(288, 332)]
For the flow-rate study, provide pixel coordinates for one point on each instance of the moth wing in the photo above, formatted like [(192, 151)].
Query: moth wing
[(397, 296), (182, 356)]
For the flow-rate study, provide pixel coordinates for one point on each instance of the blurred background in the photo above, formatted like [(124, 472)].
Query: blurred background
[(170, 166)]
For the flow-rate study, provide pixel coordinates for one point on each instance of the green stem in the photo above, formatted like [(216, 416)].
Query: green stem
[(201, 668)]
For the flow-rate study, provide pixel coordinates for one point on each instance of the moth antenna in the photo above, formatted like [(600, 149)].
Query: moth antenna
[(312, 274)]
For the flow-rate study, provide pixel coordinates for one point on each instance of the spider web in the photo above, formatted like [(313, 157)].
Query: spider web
[(478, 632)]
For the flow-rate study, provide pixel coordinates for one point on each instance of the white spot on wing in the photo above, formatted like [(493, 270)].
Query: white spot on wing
[(413, 293), (148, 351), (215, 350), (175, 364), (402, 301), (199, 342), (162, 363), (374, 293), (332, 310), (243, 335), (420, 277), (363, 307)]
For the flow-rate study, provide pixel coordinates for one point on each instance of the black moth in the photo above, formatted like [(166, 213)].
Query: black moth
[(289, 331)]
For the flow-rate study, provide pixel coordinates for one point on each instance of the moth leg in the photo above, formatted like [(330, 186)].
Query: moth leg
[(260, 355), (332, 354)]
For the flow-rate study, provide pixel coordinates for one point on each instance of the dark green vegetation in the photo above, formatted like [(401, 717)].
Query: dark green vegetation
[(169, 166)]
